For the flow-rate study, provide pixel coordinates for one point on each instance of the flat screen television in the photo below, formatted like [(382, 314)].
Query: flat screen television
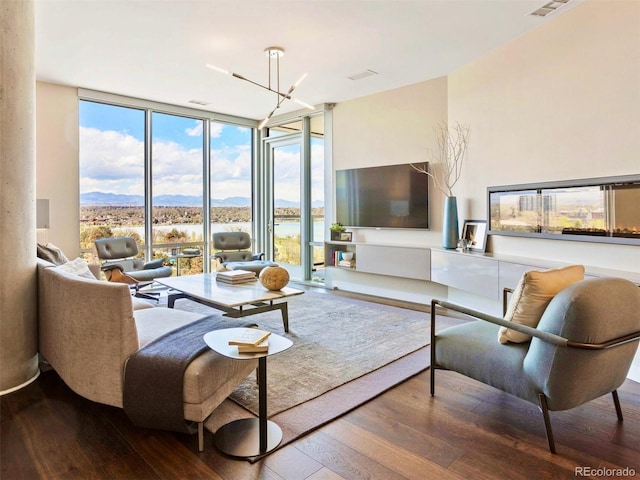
[(392, 196)]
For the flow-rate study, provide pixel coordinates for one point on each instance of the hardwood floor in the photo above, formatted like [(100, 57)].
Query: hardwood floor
[(467, 430)]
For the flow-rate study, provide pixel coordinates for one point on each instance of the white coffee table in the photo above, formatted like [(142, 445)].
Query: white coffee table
[(235, 300), (248, 437)]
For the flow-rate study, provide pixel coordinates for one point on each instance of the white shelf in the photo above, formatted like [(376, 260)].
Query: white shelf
[(404, 261)]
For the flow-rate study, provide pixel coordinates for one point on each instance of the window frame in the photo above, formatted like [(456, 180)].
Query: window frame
[(150, 107)]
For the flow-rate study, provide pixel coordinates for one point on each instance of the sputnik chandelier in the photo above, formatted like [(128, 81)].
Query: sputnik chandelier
[(273, 55)]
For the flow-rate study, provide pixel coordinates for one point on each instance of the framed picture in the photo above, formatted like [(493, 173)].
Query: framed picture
[(346, 236), (475, 233)]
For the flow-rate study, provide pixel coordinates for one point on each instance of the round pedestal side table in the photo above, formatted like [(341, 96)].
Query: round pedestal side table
[(248, 437)]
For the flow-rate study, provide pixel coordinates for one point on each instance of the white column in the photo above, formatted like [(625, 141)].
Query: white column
[(18, 288)]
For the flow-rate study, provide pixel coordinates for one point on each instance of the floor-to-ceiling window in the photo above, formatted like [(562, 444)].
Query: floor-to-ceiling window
[(167, 179), (177, 220), (112, 173), (231, 174)]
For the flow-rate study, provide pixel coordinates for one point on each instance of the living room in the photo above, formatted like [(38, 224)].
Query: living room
[(558, 103), (518, 134)]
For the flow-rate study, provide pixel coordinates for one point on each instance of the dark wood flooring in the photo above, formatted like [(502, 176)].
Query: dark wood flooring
[(467, 431)]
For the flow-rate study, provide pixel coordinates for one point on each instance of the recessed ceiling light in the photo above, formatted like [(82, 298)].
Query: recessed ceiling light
[(548, 8), (361, 75)]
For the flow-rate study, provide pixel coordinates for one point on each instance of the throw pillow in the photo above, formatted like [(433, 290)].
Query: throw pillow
[(77, 267), (51, 253), (531, 297)]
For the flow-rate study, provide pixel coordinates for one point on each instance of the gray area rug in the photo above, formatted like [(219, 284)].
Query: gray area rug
[(335, 340), (345, 352)]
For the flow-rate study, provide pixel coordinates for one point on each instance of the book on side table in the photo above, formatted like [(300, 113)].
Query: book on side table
[(261, 347), (252, 341)]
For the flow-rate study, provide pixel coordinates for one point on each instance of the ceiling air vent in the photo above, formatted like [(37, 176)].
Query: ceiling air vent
[(361, 75), (200, 102), (548, 8)]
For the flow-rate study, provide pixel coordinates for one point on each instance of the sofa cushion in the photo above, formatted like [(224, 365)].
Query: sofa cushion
[(140, 303), (78, 267), (470, 349), (209, 378), (152, 324), (51, 253), (532, 295)]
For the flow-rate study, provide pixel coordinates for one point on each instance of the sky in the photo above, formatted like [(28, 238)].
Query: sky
[(112, 156)]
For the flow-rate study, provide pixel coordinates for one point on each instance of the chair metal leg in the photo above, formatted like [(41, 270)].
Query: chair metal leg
[(616, 402), (547, 422), (432, 368)]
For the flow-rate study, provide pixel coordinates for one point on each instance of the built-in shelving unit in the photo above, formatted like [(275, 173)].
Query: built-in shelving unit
[(406, 261)]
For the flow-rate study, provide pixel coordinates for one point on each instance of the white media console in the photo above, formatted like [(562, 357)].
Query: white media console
[(482, 274)]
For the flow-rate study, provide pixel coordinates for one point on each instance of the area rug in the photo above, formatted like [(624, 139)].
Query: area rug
[(345, 352)]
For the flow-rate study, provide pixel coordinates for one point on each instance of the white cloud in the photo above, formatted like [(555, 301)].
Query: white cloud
[(216, 129), (196, 131), (114, 162)]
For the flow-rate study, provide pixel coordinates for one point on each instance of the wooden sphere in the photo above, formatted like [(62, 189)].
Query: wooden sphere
[(274, 278)]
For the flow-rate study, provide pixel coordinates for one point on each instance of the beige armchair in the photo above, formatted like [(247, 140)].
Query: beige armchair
[(581, 349)]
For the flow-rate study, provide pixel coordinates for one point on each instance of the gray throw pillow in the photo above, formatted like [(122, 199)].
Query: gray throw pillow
[(51, 253)]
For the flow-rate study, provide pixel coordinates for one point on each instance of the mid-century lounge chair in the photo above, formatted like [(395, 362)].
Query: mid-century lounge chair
[(121, 265), (582, 348), (234, 252)]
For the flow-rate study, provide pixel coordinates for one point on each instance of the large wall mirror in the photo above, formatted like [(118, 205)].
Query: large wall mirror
[(603, 210)]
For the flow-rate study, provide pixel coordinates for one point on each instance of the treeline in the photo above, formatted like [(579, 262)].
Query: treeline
[(117, 216)]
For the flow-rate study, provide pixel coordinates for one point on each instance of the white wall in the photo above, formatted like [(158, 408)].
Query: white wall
[(57, 175), (562, 102), (390, 128)]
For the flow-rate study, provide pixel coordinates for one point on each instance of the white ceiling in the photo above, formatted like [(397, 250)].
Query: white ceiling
[(157, 50)]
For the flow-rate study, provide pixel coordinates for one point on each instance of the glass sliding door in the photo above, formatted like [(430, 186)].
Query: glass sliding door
[(286, 224), (295, 166), (316, 242)]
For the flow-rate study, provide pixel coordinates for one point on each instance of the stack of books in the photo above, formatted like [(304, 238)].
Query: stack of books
[(346, 263), (235, 277), (252, 341)]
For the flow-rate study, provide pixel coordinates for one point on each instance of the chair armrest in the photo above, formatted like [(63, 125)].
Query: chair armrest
[(259, 256), (157, 263), (534, 332)]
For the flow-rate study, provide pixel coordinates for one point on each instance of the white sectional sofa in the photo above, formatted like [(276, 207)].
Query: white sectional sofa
[(88, 328)]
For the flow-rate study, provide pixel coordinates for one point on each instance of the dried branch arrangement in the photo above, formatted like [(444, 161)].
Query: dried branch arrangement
[(452, 147)]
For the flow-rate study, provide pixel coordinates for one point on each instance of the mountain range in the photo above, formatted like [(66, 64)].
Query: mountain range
[(102, 199)]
